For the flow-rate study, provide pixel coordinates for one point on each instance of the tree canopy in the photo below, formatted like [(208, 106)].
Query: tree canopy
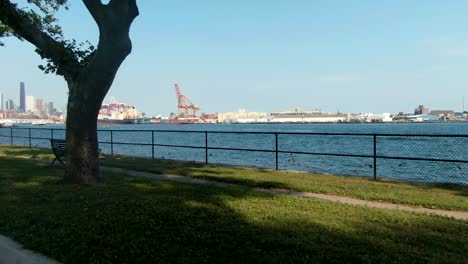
[(40, 17)]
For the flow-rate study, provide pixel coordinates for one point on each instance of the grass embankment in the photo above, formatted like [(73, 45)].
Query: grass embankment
[(449, 197), (126, 219)]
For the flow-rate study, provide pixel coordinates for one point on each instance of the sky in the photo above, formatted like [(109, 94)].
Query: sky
[(272, 55)]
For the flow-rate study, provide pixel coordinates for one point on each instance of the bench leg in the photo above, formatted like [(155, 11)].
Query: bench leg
[(52, 164), (61, 161)]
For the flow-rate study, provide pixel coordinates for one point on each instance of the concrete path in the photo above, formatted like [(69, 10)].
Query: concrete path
[(460, 215), (13, 253)]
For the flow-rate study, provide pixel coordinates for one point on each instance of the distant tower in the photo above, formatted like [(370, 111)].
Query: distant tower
[(30, 104), (10, 105), (51, 108), (22, 98), (421, 110)]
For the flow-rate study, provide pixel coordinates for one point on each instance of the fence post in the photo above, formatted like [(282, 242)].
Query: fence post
[(52, 133), (375, 157), (30, 143), (276, 149), (206, 147), (11, 136), (112, 143), (152, 144)]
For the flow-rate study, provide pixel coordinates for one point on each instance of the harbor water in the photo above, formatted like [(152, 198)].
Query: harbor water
[(325, 146)]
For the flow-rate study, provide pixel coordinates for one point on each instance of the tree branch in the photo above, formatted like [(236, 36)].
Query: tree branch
[(95, 8), (48, 47)]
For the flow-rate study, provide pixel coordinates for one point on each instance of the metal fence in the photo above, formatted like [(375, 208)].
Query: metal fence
[(427, 158)]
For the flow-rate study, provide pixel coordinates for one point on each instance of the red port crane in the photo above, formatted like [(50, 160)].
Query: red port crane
[(183, 103)]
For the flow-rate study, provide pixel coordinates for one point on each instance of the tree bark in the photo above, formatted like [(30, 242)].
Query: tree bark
[(82, 142)]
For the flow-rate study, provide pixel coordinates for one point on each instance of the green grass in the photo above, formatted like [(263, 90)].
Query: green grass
[(449, 197), (125, 219)]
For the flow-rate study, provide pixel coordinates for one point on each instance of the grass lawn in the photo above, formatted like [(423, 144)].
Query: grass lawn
[(450, 197), (125, 219)]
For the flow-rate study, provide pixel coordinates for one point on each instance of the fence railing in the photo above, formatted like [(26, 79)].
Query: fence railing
[(434, 158)]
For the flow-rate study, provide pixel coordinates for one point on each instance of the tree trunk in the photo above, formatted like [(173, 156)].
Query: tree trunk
[(82, 142), (86, 94)]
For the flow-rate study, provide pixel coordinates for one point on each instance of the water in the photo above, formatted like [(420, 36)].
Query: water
[(451, 148)]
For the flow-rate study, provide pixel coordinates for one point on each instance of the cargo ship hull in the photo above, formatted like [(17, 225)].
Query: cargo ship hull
[(117, 121), (144, 121)]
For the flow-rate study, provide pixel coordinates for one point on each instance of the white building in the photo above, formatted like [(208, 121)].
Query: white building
[(242, 117), (297, 115), (30, 103), (371, 117)]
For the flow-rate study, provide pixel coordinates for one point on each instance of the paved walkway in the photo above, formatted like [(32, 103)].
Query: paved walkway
[(460, 215), (13, 253)]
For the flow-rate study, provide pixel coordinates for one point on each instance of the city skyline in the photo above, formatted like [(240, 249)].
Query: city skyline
[(27, 104), (30, 105), (21, 99), (271, 56)]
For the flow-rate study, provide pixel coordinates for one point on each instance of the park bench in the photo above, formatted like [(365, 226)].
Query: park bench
[(59, 147)]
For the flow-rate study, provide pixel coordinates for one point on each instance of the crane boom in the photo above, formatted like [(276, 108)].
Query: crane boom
[(183, 103)]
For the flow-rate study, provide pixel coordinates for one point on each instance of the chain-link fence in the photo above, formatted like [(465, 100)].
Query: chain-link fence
[(417, 158)]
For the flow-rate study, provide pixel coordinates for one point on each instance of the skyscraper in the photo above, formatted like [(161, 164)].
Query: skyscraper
[(22, 107), (10, 105), (30, 104), (40, 105), (51, 108)]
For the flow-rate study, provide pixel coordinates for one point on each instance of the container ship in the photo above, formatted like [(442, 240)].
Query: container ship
[(115, 113)]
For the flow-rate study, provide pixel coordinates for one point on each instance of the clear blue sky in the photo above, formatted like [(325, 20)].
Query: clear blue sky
[(266, 55)]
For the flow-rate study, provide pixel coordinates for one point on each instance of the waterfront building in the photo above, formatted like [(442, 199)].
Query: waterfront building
[(421, 110), (306, 116), (242, 116), (371, 118), (22, 107), (30, 103), (444, 114), (423, 118), (297, 112)]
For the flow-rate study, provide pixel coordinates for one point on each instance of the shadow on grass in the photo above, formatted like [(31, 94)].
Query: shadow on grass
[(461, 190), (191, 169), (34, 153), (125, 219)]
